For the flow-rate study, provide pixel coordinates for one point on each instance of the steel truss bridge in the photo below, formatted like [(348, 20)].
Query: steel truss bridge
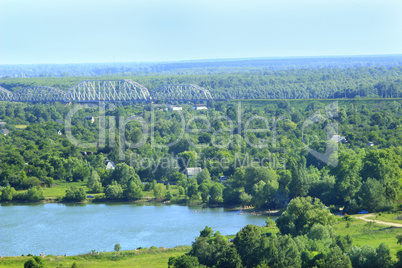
[(92, 91), (181, 92)]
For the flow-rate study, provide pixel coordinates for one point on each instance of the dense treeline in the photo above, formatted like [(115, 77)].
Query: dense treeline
[(306, 239), (320, 83), (264, 169)]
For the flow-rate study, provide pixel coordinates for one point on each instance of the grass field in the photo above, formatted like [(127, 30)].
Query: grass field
[(59, 189), (142, 258), (369, 233)]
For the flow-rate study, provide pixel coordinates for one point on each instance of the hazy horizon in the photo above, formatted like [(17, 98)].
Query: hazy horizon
[(213, 60)]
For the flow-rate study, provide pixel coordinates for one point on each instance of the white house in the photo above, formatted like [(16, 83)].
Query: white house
[(338, 138), (110, 164), (200, 107), (192, 172), (90, 118), (4, 131), (175, 108)]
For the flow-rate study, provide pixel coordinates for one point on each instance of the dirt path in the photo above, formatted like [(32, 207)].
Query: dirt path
[(366, 217)]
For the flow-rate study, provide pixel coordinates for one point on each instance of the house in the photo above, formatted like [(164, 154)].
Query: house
[(338, 138), (175, 108), (90, 118), (110, 164), (200, 107), (370, 144), (2, 124), (4, 131), (192, 172), (59, 132), (223, 179)]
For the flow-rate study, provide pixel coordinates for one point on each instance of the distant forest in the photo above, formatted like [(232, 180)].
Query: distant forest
[(197, 67)]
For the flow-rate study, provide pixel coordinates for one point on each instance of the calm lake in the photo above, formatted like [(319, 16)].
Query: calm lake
[(76, 229)]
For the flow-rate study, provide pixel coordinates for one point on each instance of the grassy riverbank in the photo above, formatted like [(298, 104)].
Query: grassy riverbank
[(142, 258)]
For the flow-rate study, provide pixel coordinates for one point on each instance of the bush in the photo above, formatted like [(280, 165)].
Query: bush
[(75, 194), (35, 262), (34, 194)]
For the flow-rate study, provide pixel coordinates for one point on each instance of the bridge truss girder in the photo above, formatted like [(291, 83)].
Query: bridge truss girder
[(182, 92), (38, 94), (106, 90), (5, 95)]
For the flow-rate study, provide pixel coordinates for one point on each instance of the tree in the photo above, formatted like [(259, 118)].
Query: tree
[(114, 191), (133, 191), (81, 173), (203, 176), (384, 166), (301, 214), (168, 195), (93, 179), (383, 258), (336, 259), (207, 247), (216, 193), (192, 190), (247, 242), (159, 191), (75, 194), (363, 257), (298, 185), (7, 194), (229, 258), (204, 190), (347, 172), (263, 192), (372, 196), (117, 247), (34, 194), (122, 174)]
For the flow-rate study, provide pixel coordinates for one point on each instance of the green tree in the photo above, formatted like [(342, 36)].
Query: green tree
[(347, 172), (117, 247), (7, 193), (336, 259), (301, 214), (81, 173), (203, 176), (372, 196), (159, 191), (122, 174), (114, 191), (75, 194), (216, 193), (35, 194), (133, 191), (204, 190), (229, 258), (94, 178), (247, 243)]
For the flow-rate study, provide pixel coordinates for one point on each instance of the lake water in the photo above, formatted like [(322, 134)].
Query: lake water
[(76, 229)]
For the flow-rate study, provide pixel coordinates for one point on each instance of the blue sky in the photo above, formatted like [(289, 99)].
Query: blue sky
[(80, 31)]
